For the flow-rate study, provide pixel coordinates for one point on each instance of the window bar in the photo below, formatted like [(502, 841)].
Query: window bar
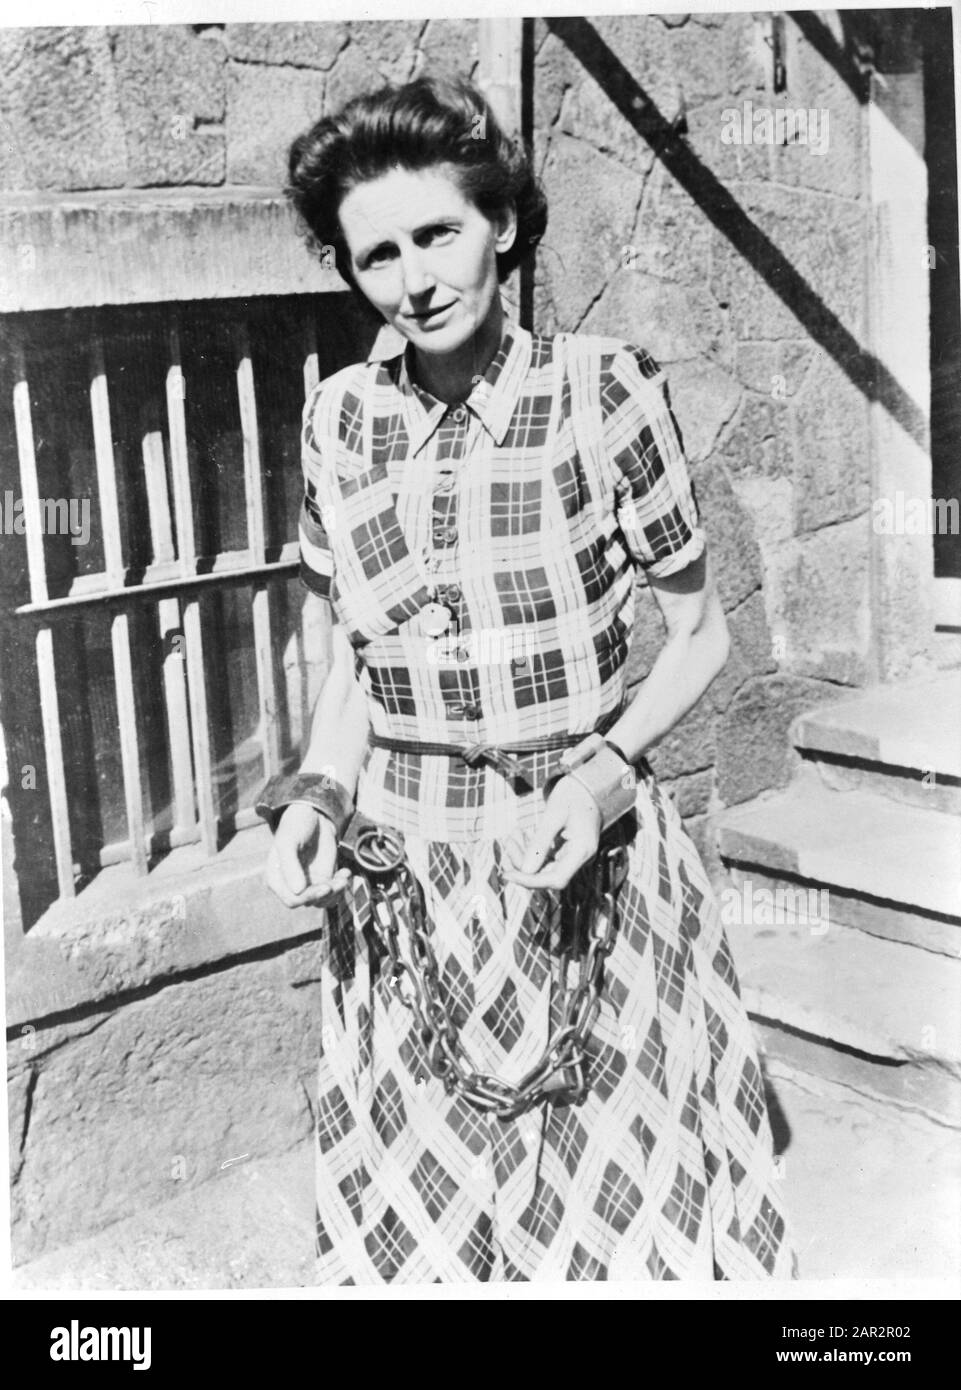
[(171, 635), (120, 620), (301, 692), (311, 360), (193, 634), (311, 378), (256, 539), (53, 752), (46, 664), (217, 576)]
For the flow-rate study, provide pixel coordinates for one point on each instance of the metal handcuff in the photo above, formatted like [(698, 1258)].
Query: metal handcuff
[(559, 1077)]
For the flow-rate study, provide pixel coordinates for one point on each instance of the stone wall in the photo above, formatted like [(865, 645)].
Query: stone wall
[(776, 433), (739, 266), (114, 1108), (171, 105)]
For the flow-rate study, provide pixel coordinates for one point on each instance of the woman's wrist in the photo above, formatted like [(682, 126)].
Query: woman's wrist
[(608, 778), (624, 741), (317, 789), (617, 748)]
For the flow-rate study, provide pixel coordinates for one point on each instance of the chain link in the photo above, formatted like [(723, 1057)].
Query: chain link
[(590, 899)]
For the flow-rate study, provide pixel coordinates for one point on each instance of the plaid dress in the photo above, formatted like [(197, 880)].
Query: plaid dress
[(525, 510)]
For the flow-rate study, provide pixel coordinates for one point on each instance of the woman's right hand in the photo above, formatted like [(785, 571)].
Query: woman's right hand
[(302, 864)]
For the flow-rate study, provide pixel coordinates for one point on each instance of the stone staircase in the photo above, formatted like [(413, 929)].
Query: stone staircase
[(845, 911)]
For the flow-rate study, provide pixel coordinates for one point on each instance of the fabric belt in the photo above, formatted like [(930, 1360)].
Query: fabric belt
[(497, 755)]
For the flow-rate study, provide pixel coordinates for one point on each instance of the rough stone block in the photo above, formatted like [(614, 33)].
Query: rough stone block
[(816, 590), (753, 744), (389, 44), (705, 398), (705, 121), (691, 746), (127, 1105), (814, 84), (354, 73), (758, 365), (770, 504), (448, 46), (169, 79), (19, 1087), (760, 440), (703, 60), (743, 51), (312, 45), (673, 322), (808, 245), (755, 162), (575, 275), (736, 557), (554, 71), (646, 49), (796, 360), (251, 1227), (59, 110), (774, 369), (267, 108), (831, 467), (691, 794), (588, 113), (671, 236), (751, 636)]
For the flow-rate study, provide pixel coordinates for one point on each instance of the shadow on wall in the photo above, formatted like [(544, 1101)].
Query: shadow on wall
[(719, 206)]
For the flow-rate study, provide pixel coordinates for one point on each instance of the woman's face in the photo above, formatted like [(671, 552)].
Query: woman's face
[(425, 256)]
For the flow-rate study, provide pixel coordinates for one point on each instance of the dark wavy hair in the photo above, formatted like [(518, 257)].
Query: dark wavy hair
[(425, 122)]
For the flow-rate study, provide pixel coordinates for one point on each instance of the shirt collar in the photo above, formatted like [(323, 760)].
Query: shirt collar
[(492, 399)]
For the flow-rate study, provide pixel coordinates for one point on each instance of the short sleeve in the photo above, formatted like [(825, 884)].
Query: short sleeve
[(656, 508), (316, 513)]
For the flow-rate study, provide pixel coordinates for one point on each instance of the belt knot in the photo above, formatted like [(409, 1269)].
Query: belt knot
[(474, 753)]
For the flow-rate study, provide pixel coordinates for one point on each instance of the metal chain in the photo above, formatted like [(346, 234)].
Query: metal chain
[(559, 1075)]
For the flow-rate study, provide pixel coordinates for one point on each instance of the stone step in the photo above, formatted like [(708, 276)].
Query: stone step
[(778, 897), (881, 1000), (909, 1087), (252, 1227), (903, 741), (890, 869)]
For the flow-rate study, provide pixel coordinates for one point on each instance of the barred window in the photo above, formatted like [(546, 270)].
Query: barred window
[(153, 663)]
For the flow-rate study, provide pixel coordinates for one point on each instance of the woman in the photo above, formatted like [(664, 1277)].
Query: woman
[(473, 513)]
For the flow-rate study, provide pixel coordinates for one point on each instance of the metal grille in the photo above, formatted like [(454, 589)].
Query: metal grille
[(154, 672)]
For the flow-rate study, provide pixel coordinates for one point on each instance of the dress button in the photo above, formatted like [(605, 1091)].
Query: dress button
[(452, 593), (460, 414), (463, 710), (445, 535)]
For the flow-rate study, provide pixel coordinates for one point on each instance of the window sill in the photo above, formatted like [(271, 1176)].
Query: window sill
[(148, 246), (124, 933)]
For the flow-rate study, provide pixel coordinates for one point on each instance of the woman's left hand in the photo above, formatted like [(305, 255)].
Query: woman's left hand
[(572, 815)]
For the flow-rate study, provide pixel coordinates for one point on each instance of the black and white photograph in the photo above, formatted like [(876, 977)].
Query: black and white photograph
[(480, 655)]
